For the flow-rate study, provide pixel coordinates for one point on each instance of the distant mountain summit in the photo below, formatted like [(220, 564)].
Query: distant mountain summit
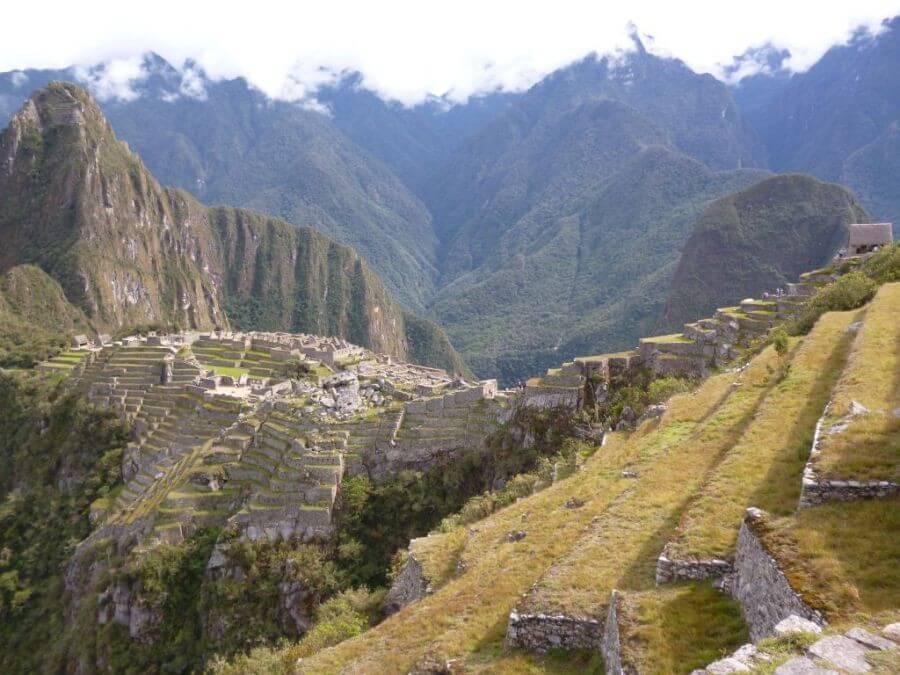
[(840, 120), (78, 204)]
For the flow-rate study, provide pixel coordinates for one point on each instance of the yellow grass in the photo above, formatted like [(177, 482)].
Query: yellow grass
[(842, 557), (468, 615), (870, 445), (765, 466)]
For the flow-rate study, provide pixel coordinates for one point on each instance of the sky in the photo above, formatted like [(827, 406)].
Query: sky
[(409, 51)]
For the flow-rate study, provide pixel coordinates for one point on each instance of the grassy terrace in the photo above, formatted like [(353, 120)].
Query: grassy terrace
[(869, 446), (230, 371), (674, 337), (673, 462), (765, 465), (679, 628), (467, 616), (65, 360), (841, 557)]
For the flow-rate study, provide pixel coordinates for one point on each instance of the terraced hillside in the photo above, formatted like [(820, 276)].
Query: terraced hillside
[(626, 558)]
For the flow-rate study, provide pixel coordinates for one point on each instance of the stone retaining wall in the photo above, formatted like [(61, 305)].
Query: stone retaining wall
[(543, 632), (409, 586), (610, 644), (816, 490), (692, 569), (765, 595), (545, 398)]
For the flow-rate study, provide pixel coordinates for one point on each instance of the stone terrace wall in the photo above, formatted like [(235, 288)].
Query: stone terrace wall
[(670, 571), (409, 586), (610, 644), (816, 490), (543, 632), (761, 587)]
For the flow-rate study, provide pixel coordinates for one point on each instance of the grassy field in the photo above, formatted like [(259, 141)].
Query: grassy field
[(869, 446), (230, 371), (765, 465), (842, 557)]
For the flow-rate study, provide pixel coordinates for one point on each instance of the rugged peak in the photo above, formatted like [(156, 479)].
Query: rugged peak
[(78, 204)]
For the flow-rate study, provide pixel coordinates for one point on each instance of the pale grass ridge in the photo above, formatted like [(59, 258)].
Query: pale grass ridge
[(765, 465), (868, 446)]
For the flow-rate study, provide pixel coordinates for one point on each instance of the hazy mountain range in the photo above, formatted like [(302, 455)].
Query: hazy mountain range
[(537, 225)]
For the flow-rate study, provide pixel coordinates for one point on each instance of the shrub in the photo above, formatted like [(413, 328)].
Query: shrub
[(884, 266), (779, 340), (342, 617), (666, 387), (848, 292)]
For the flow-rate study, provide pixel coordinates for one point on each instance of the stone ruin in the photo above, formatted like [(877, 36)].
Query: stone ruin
[(256, 430)]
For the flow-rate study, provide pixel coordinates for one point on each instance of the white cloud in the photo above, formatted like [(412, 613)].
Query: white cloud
[(19, 79), (115, 78), (409, 50), (193, 84)]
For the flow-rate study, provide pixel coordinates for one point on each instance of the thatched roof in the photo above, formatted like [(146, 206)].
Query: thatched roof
[(870, 234)]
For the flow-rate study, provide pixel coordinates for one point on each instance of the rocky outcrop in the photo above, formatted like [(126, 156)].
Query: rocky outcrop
[(761, 587)]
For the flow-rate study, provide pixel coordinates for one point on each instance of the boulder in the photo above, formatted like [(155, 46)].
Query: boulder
[(796, 624), (846, 654)]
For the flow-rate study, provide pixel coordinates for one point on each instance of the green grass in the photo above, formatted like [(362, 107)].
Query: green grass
[(678, 629), (841, 557), (765, 465), (674, 337), (234, 372)]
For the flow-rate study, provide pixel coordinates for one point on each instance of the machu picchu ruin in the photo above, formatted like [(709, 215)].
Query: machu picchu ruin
[(257, 430), (568, 347)]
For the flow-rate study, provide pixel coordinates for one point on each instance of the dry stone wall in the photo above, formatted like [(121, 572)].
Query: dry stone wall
[(761, 587), (817, 490), (670, 571), (543, 632), (409, 586)]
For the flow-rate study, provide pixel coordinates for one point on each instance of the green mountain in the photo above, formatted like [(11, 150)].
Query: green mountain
[(229, 144), (759, 239), (562, 220), (77, 203)]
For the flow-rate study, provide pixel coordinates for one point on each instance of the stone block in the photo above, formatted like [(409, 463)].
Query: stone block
[(802, 666), (847, 654), (796, 624)]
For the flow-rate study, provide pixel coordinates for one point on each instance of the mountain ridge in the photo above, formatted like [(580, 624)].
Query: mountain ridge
[(81, 206)]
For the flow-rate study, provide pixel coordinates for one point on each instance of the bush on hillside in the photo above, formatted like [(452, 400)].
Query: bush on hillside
[(848, 292), (884, 266), (666, 387)]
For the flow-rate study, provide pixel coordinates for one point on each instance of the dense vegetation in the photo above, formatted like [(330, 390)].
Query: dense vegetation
[(57, 455)]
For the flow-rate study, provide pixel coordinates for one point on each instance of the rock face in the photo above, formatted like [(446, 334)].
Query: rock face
[(76, 202)]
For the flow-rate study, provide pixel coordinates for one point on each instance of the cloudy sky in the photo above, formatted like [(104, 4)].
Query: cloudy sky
[(408, 50)]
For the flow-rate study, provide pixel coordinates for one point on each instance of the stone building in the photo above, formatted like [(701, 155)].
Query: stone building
[(865, 237)]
